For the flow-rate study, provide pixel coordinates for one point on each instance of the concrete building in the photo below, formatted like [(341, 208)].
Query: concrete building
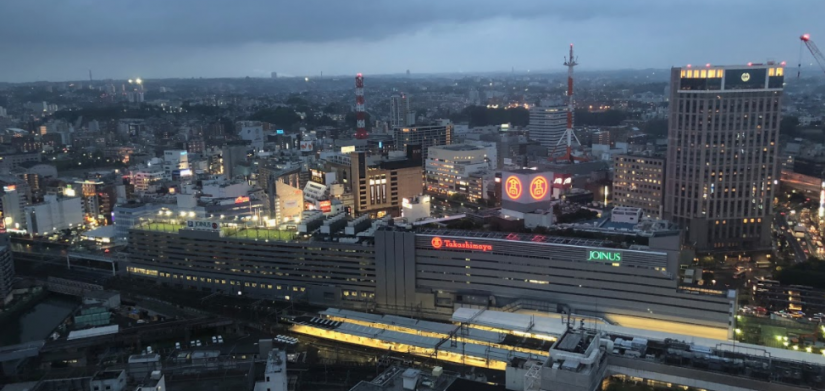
[(400, 113), (380, 186), (448, 168), (233, 155), (547, 123), (54, 214), (6, 271), (252, 132), (425, 135), (13, 201), (275, 378), (109, 381), (175, 161), (639, 181), (428, 273), (722, 146)]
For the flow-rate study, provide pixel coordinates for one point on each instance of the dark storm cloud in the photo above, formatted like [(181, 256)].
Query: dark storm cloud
[(216, 22)]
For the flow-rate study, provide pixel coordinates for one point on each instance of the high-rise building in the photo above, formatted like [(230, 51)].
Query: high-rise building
[(721, 158), (448, 168), (6, 271), (400, 113), (639, 181), (547, 123), (380, 186), (426, 136)]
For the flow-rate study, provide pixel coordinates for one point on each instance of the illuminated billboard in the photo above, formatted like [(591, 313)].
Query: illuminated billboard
[(604, 256), (438, 243), (325, 206), (526, 186)]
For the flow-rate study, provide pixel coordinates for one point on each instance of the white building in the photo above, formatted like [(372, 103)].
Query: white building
[(400, 113), (147, 180), (275, 377), (174, 160), (253, 132), (54, 214), (416, 208), (547, 123), (3, 112), (224, 189), (625, 214), (109, 381), (448, 167)]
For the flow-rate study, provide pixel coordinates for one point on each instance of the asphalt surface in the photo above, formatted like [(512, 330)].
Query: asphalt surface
[(799, 253)]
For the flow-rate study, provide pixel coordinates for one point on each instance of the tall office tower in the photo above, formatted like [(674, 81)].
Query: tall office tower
[(426, 135), (721, 157), (6, 271), (547, 123), (639, 182), (400, 114)]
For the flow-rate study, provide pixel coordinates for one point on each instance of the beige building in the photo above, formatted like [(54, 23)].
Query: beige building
[(638, 182), (380, 186), (723, 139)]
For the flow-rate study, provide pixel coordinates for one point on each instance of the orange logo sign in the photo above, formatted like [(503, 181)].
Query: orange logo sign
[(438, 243), (538, 187), (512, 186)]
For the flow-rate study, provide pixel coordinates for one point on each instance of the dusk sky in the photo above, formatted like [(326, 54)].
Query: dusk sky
[(63, 39)]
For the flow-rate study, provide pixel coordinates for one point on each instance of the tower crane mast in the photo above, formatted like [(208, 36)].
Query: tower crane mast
[(820, 59)]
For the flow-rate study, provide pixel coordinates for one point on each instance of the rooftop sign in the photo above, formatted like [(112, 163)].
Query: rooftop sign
[(439, 243)]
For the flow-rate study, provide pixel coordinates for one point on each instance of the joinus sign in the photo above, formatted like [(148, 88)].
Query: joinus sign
[(604, 256)]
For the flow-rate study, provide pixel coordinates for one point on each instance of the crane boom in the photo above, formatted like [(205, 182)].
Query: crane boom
[(820, 59)]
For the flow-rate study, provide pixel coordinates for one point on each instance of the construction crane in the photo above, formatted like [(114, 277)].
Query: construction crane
[(806, 39), (568, 136)]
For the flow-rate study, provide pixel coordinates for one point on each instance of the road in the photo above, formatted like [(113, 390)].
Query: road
[(799, 254)]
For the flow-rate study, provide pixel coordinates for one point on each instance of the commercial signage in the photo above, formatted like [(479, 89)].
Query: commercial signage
[(326, 206), (279, 131), (439, 243), (9, 188), (513, 187), (539, 188), (306, 146), (203, 225), (562, 181), (604, 256), (348, 149), (241, 200)]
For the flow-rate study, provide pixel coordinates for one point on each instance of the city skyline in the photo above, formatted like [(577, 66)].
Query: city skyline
[(253, 38)]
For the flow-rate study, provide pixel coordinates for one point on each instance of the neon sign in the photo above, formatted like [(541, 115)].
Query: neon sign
[(538, 187), (439, 243), (241, 200), (513, 187), (604, 256)]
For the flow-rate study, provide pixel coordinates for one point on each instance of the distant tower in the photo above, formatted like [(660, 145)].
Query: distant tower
[(360, 115), (90, 75), (408, 73), (568, 136)]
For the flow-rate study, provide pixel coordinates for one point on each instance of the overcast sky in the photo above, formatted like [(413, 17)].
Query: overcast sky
[(63, 39)]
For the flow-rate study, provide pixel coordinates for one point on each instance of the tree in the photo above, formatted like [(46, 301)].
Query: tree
[(601, 118), (281, 116), (655, 128)]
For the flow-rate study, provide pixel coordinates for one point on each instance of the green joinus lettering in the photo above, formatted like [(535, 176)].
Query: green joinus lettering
[(604, 256)]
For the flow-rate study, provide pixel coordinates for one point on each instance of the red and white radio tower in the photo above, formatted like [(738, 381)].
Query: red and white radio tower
[(360, 115), (568, 135)]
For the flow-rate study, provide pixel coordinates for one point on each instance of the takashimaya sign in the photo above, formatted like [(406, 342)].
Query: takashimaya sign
[(439, 243), (604, 256)]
